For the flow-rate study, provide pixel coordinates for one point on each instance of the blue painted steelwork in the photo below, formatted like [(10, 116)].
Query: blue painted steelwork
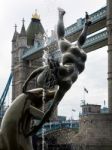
[(4, 94), (96, 38), (32, 50), (52, 126), (89, 42), (95, 17), (2, 111)]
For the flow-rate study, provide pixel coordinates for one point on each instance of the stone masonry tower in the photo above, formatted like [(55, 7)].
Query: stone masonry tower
[(19, 43), (22, 42), (27, 40), (109, 28)]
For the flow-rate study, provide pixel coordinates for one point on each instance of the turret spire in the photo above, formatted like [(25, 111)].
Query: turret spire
[(15, 28), (23, 31), (15, 34), (23, 21)]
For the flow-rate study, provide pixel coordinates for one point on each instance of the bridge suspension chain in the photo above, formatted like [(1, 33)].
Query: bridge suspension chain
[(4, 94)]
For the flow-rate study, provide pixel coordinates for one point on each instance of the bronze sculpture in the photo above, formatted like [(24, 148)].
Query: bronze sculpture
[(16, 131), (73, 62)]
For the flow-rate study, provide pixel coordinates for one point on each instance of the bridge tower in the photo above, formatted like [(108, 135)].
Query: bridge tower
[(27, 40), (109, 29), (21, 42)]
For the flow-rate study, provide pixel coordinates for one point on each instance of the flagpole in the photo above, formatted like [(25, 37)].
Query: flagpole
[(84, 95), (85, 91)]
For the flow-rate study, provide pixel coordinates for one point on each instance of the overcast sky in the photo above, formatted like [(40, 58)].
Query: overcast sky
[(94, 78)]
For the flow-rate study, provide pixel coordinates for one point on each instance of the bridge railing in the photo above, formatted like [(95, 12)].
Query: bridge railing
[(96, 38), (96, 16)]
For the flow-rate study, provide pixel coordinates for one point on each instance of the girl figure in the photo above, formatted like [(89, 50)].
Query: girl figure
[(73, 63)]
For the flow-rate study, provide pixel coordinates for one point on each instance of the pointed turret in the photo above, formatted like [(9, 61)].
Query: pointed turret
[(35, 28), (23, 31), (15, 34)]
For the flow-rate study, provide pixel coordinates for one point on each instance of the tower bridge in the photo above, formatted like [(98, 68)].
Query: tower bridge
[(28, 45), (27, 52)]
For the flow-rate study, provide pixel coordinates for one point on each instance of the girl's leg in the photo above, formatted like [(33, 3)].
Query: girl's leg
[(63, 43), (60, 25)]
